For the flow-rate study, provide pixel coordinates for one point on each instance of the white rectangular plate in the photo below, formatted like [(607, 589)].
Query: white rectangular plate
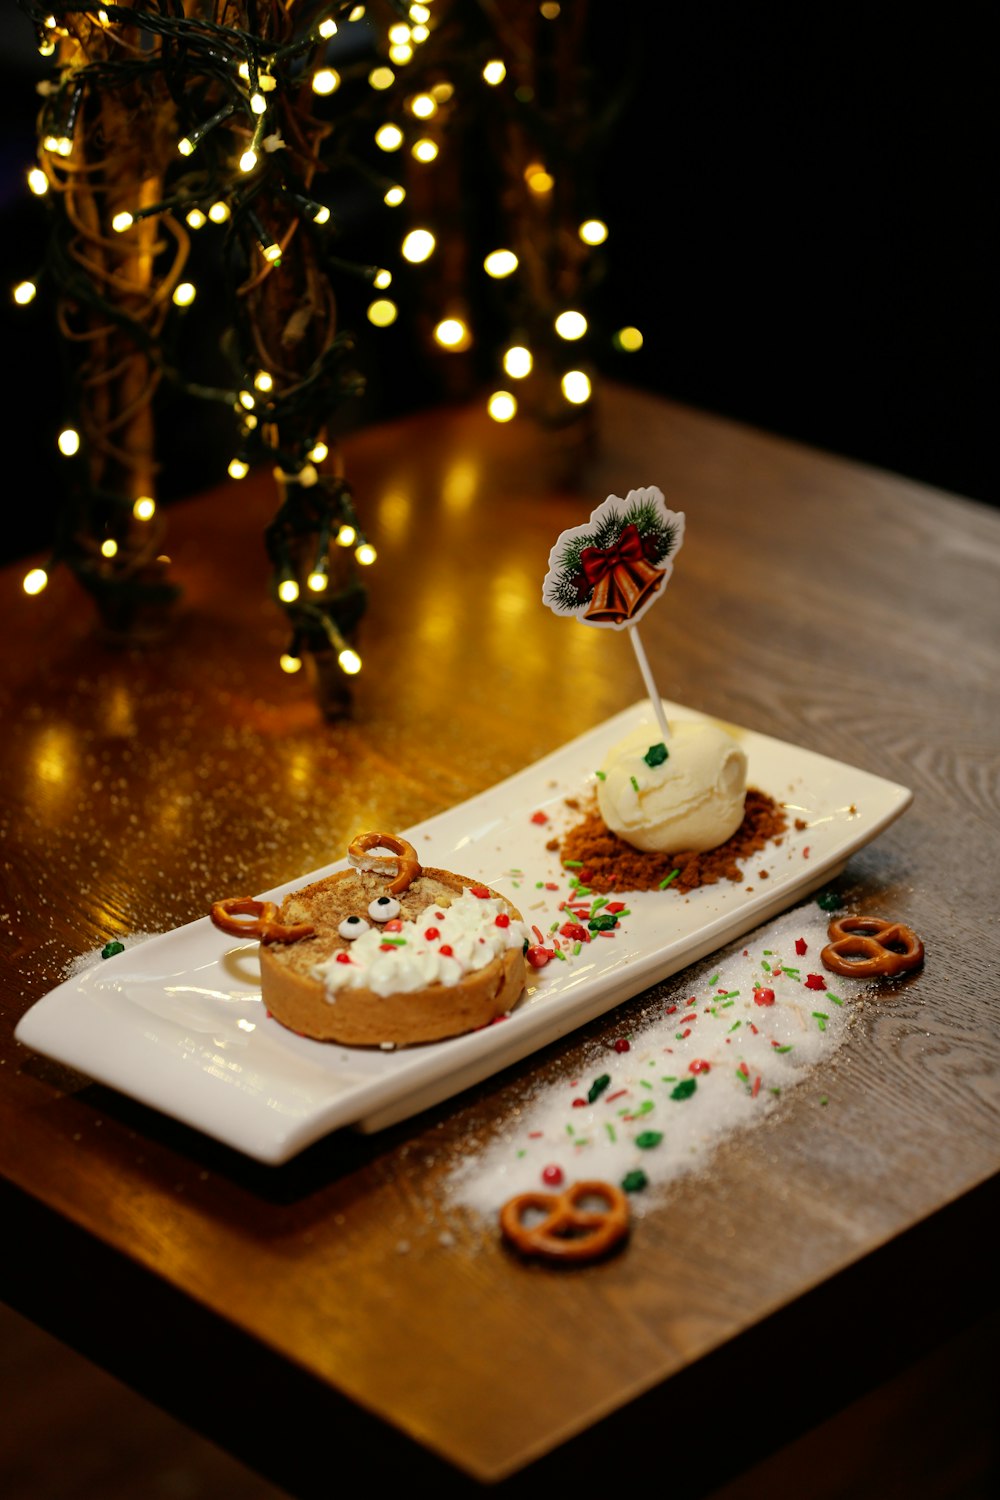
[(177, 1021)]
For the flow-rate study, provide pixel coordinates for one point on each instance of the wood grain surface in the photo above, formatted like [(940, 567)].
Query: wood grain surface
[(837, 607)]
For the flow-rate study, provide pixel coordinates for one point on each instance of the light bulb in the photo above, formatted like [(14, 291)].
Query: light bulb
[(424, 150), (382, 312), (346, 536), (109, 547), (238, 469), (518, 362), (322, 215), (122, 221), (258, 103), (401, 53), (538, 179), (38, 182), (247, 401), (318, 453), (366, 554), (248, 160), (288, 591), (575, 387), (420, 14), (68, 442), (35, 581), (144, 508), (349, 661), (24, 293), (451, 333), (629, 339), (418, 245), (195, 219), (219, 212), (500, 263), (593, 231), (317, 581), (185, 146), (263, 381), (394, 196), (382, 279), (381, 78), (419, 34), (288, 662), (571, 325), (502, 406), (494, 72), (326, 81), (185, 293), (389, 137), (423, 106), (327, 28)]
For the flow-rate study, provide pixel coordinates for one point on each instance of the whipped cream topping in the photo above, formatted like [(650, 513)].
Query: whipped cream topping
[(443, 945)]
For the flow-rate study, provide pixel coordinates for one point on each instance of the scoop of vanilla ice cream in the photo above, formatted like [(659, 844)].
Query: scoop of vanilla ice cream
[(693, 799)]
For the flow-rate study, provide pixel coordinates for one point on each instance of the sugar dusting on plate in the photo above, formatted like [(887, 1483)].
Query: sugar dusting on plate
[(658, 1100)]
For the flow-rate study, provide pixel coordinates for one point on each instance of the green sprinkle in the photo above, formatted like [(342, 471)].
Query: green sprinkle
[(570, 1130), (601, 775), (601, 901), (735, 1027), (585, 1141), (634, 1182), (684, 1089), (765, 965), (648, 1139), (836, 1000), (669, 1078), (656, 754), (110, 949), (645, 1108), (644, 1083), (829, 901), (775, 1092), (572, 864), (792, 973), (635, 784), (823, 1099), (576, 948), (539, 884), (520, 1154), (388, 942), (768, 952), (714, 979), (612, 1137), (560, 954), (821, 1019), (597, 1087), (787, 1048), (667, 879)]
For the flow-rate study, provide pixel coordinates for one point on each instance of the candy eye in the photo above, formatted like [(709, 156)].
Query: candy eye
[(384, 909), (353, 927)]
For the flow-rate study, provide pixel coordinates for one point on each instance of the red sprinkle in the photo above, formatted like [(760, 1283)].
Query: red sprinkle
[(551, 885), (431, 933), (670, 1010), (753, 1028), (763, 997), (481, 891), (395, 925), (805, 852), (539, 934), (446, 950), (692, 1017), (618, 1095), (756, 1087), (535, 1135), (540, 817), (585, 877), (801, 946), (744, 1070), (575, 932), (699, 1066), (343, 958), (552, 1176), (537, 956), (502, 920), (815, 982), (622, 1044), (579, 1104), (615, 906)]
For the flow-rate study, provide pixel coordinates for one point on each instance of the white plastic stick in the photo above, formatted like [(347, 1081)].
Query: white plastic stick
[(647, 677)]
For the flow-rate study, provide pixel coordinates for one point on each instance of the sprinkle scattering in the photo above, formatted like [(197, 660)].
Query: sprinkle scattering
[(702, 1069)]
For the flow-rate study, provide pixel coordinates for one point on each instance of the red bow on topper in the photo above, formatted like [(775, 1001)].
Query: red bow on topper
[(609, 571)]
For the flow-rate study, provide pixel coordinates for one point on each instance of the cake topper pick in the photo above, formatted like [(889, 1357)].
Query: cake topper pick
[(609, 571)]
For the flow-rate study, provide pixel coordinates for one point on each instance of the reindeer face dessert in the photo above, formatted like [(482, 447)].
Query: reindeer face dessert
[(386, 952)]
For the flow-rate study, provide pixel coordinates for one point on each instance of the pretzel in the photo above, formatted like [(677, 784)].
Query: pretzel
[(402, 862), (868, 947), (264, 922), (568, 1234)]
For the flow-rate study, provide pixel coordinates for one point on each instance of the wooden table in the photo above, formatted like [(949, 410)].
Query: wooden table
[(276, 1308)]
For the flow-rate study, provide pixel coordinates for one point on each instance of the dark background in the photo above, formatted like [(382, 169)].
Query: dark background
[(798, 203)]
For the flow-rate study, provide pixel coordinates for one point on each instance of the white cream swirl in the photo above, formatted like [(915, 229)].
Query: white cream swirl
[(443, 945)]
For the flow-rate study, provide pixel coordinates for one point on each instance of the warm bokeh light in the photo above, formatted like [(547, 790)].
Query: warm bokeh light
[(219, 212), (238, 469), (349, 661), (423, 106), (382, 313), (263, 381), (381, 78), (394, 196), (68, 442), (24, 293), (318, 452), (629, 339), (494, 72), (518, 362), (248, 160), (122, 221), (593, 231), (366, 554), (288, 591), (571, 325), (418, 245), (382, 279), (500, 263), (109, 547), (576, 387), (346, 536), (452, 333), (326, 81), (195, 219), (388, 137), (502, 406), (34, 581), (317, 581), (289, 663), (185, 293), (424, 150), (538, 179), (38, 182), (144, 508)]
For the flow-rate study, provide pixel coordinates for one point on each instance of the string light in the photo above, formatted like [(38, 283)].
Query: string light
[(317, 581), (219, 212), (399, 34), (593, 231), (289, 663), (500, 263), (122, 221), (388, 137), (394, 196), (518, 362), (424, 106), (346, 536), (382, 313), (34, 581), (452, 333), (327, 28), (184, 293), (365, 554), (38, 182), (420, 14), (144, 508), (382, 279), (248, 160), (326, 81), (571, 325), (24, 293), (494, 72), (538, 179), (195, 219), (318, 452), (68, 442), (246, 400), (401, 53), (349, 661), (502, 406), (381, 78), (418, 246), (424, 150), (576, 387), (109, 547), (258, 103), (629, 339), (288, 590), (238, 469), (419, 34), (263, 381)]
